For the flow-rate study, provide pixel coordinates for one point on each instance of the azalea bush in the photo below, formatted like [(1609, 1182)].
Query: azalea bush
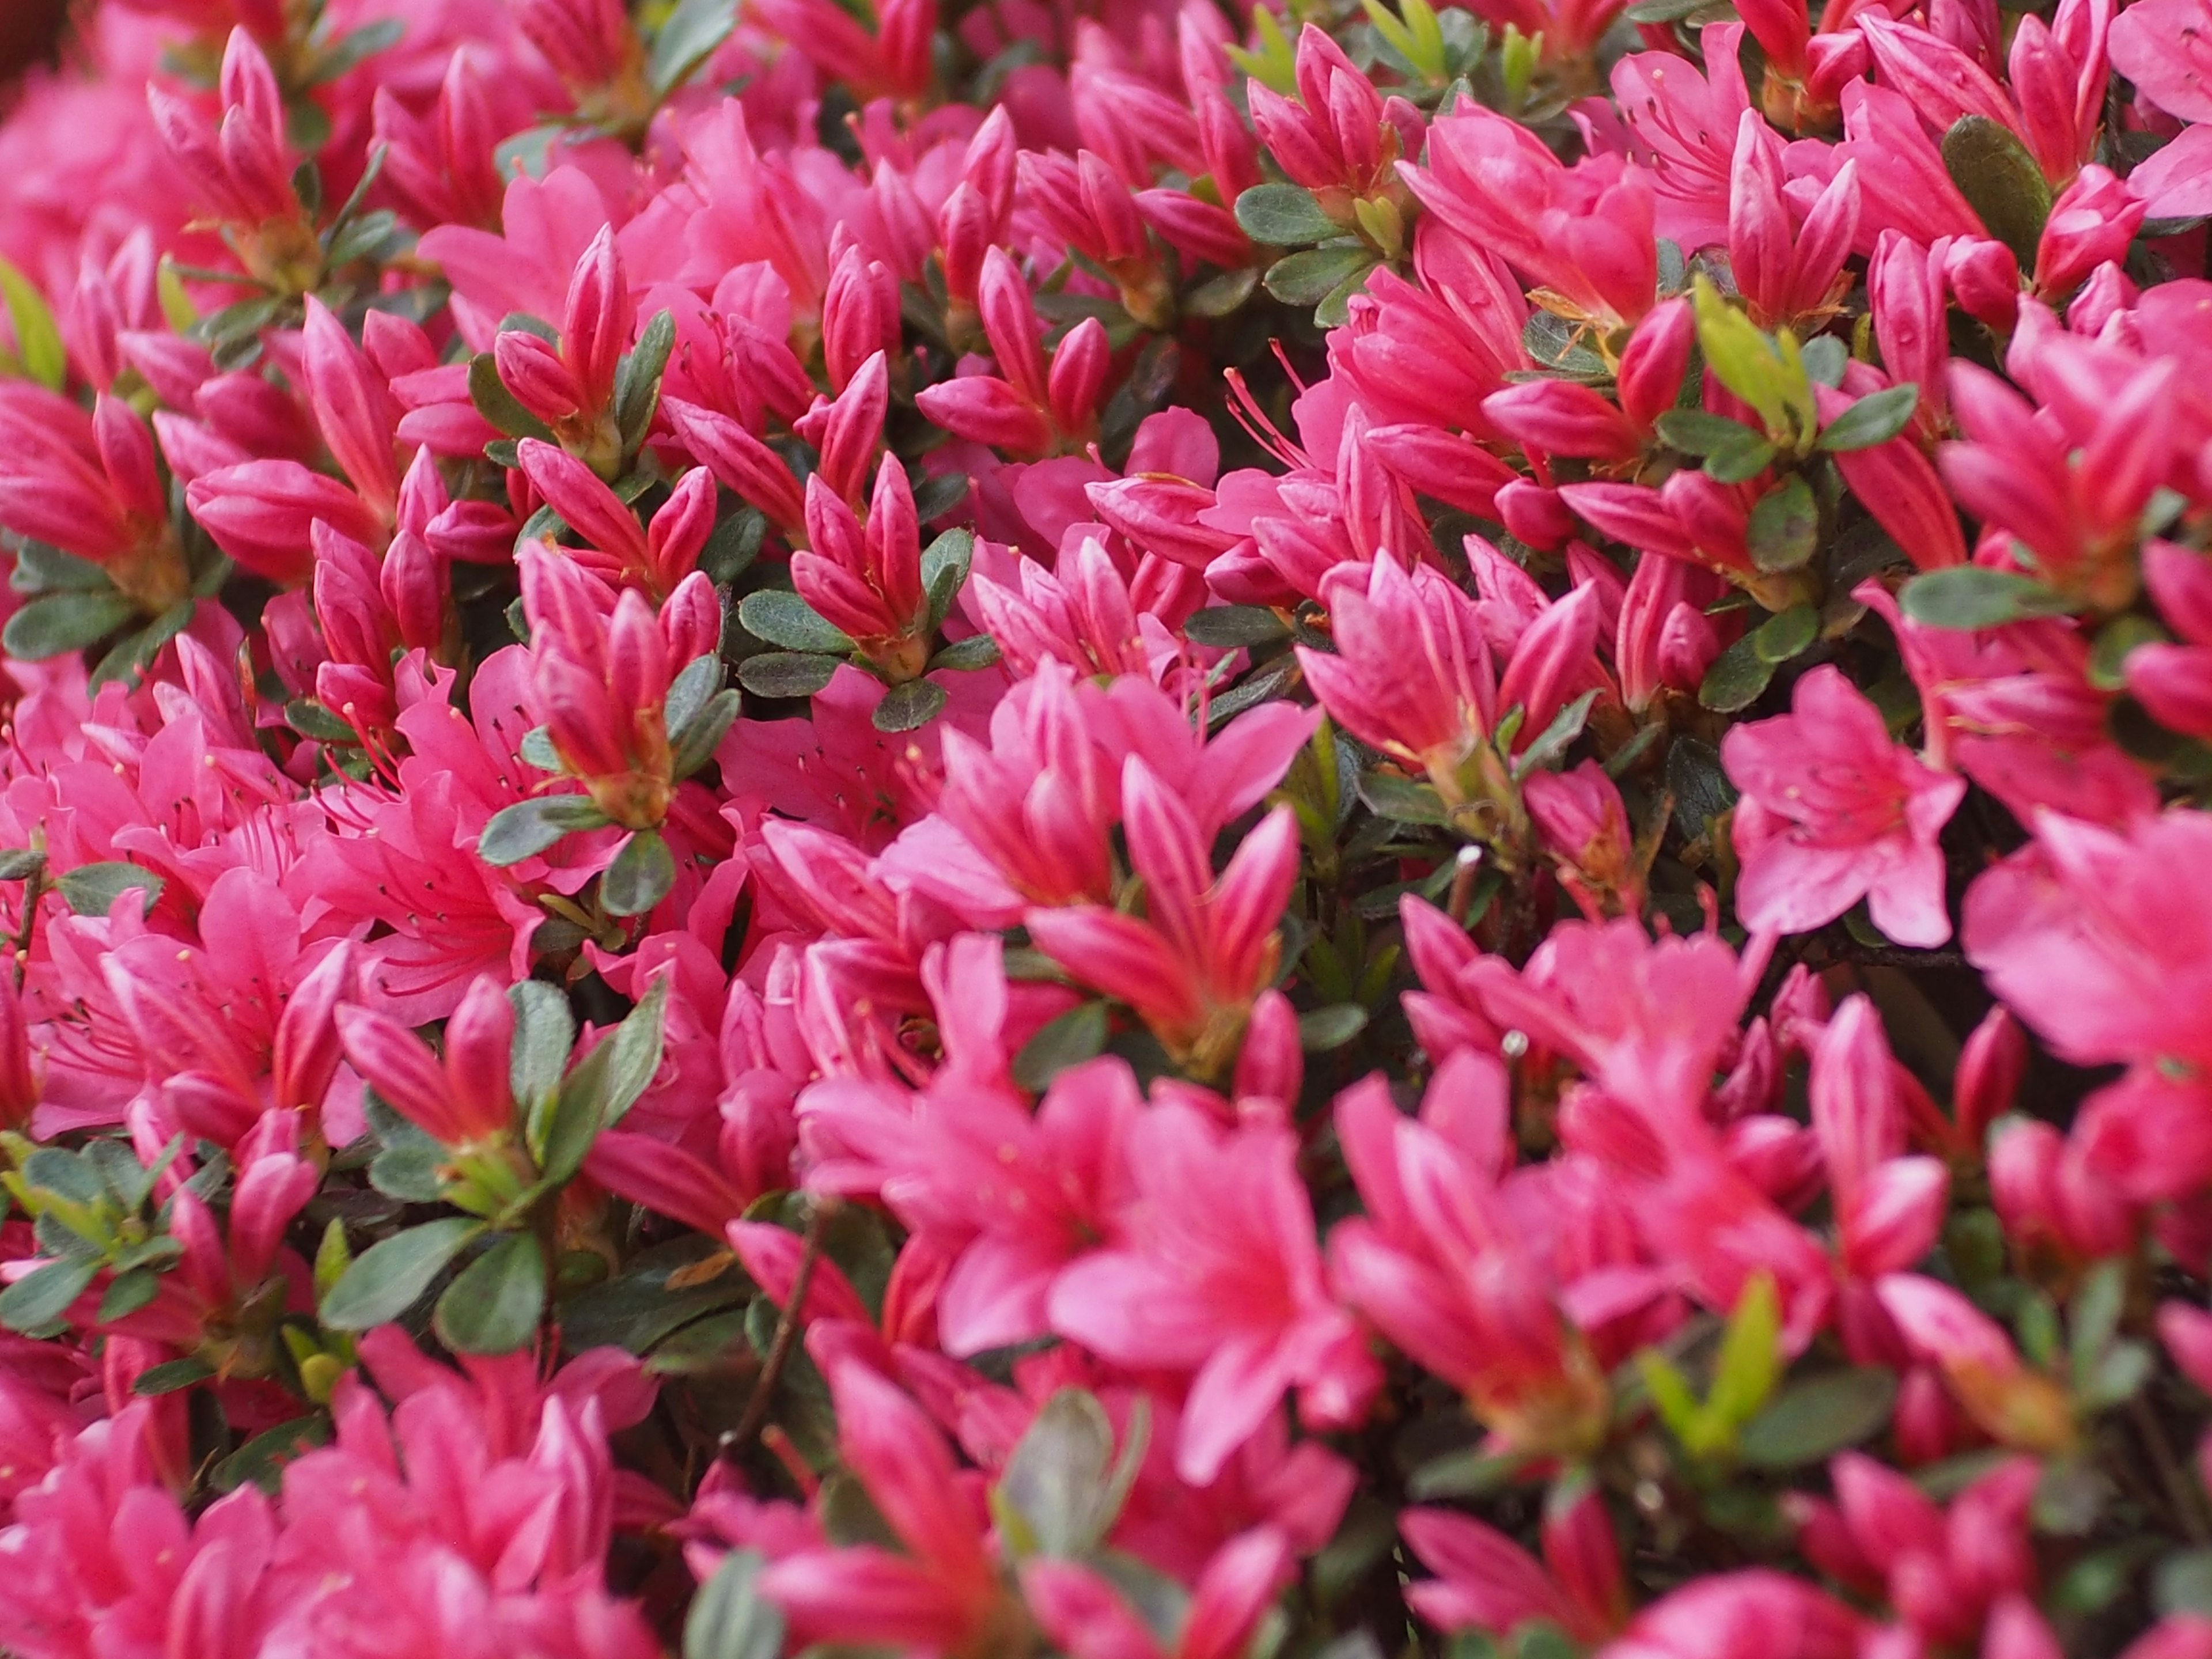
[(1144, 830)]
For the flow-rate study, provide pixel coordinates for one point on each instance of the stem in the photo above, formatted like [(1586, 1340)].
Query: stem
[(787, 1333), (2178, 1490), (34, 891)]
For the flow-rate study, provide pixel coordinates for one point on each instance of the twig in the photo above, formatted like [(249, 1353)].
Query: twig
[(787, 1333)]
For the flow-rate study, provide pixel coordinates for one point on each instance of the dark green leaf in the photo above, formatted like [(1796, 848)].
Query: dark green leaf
[(1739, 462), (637, 386), (1284, 216), (1737, 677), (386, 1280), (1662, 11), (729, 1617), (2001, 182), (39, 1298), (1555, 342), (1326, 1029), (945, 566), (1825, 358), (1222, 295), (1055, 1496), (91, 889), (1404, 800), (687, 40), (261, 1460), (1810, 1422), (2182, 1584), (311, 719), (545, 1035), (1786, 633), (128, 1292), (785, 620), (20, 863), (634, 1052), (499, 405), (56, 623), (175, 1375), (736, 543), (642, 874), (1077, 1036), (1785, 526), (694, 742), (908, 706), (1972, 596), (1308, 278), (1873, 419), (2115, 642), (1227, 626), (363, 238), (787, 674), (493, 1306), (1552, 742), (43, 569), (976, 651), (1695, 432), (700, 678), (529, 826)]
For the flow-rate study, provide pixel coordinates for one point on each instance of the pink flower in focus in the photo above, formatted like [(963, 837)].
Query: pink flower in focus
[(1832, 811)]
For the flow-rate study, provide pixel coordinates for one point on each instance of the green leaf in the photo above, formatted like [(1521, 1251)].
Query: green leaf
[(694, 742), (1055, 1496), (687, 40), (1695, 432), (169, 1377), (39, 1298), (1873, 419), (529, 826), (55, 624), (910, 705), (1750, 1357), (2001, 182), (20, 863), (1671, 1397), (1737, 677), (2115, 642), (1225, 627), (1308, 278), (1077, 1036), (43, 569), (128, 1292), (545, 1035), (91, 889), (1556, 738), (1223, 296), (729, 1617), (1786, 633), (1739, 462), (261, 1460), (1809, 1422), (787, 674), (788, 621), (1332, 1027), (1662, 11), (642, 874), (1402, 800), (1284, 216), (499, 405), (363, 238), (1826, 357), (493, 1307), (2092, 1317), (1785, 526), (1972, 596), (637, 384), (976, 651), (945, 566), (700, 678), (2182, 1584), (736, 543), (386, 1280), (38, 340), (633, 1053)]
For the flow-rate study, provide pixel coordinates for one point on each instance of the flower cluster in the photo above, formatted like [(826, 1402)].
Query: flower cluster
[(1124, 828)]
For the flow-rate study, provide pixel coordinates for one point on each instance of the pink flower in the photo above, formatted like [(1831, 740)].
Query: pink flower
[(1216, 1271), (1832, 813)]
